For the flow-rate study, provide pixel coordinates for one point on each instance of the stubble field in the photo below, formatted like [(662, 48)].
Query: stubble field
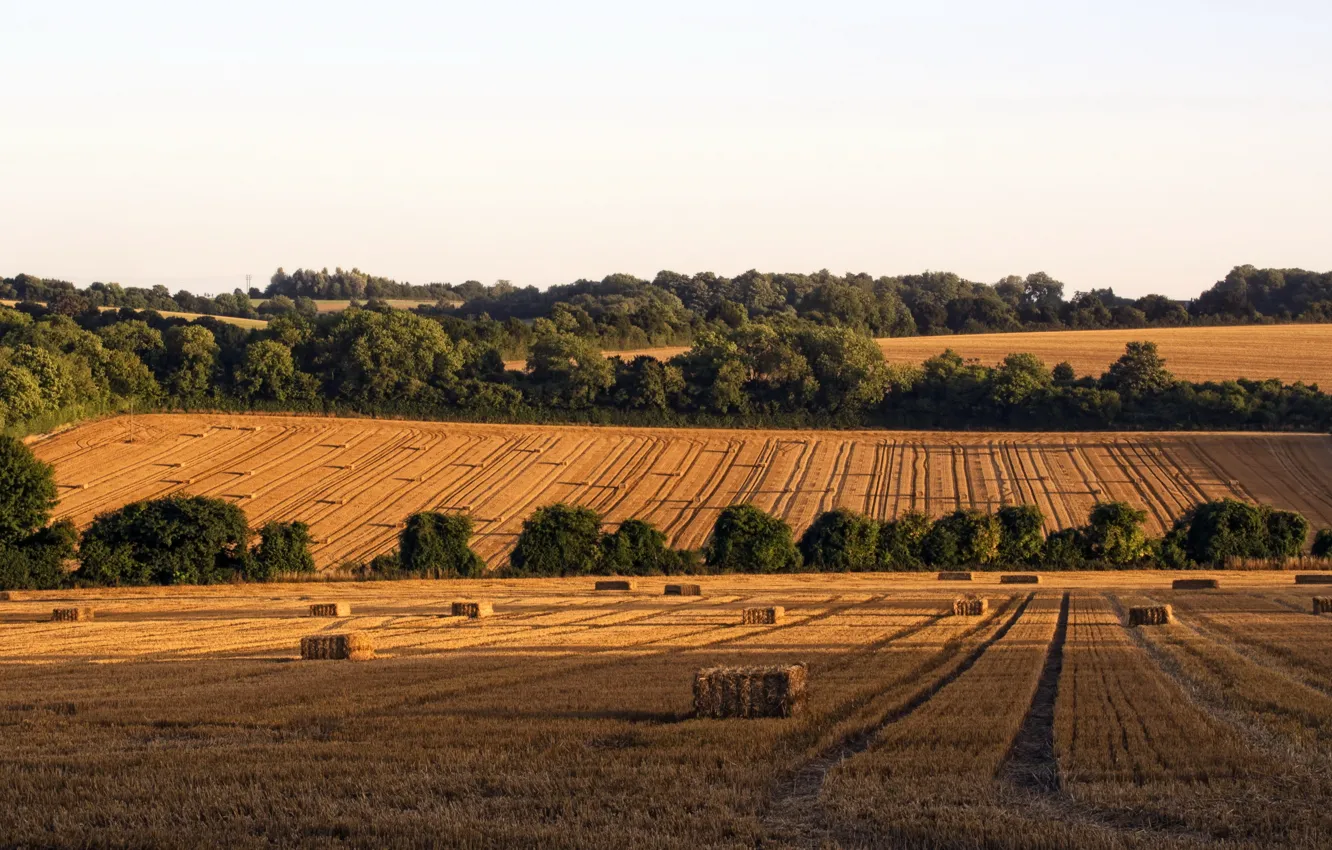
[(182, 717), (356, 481)]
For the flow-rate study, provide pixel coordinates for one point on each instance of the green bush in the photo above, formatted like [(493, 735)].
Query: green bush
[(1114, 534), (1286, 533), (1322, 545), (1215, 532), (839, 541), (435, 545), (558, 540), (38, 562), (1064, 550), (901, 542), (747, 540), (284, 548), (967, 537), (1021, 534), (638, 548), (176, 540), (27, 491)]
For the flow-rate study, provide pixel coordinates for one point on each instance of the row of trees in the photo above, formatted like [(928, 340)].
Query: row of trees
[(621, 310), (381, 360)]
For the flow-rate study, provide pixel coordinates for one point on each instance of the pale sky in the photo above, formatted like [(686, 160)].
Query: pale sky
[(1148, 146)]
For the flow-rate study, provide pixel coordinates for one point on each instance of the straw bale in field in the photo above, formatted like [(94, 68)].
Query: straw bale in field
[(330, 609), (949, 575), (351, 646), (71, 614), (10, 596), (1195, 584), (1322, 604), (1022, 578), (762, 616), (1151, 615), (970, 606), (684, 590), (473, 609), (1313, 578), (722, 692), (615, 584)]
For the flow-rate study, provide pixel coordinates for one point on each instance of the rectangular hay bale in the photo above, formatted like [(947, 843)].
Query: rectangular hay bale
[(615, 584), (330, 609), (351, 646), (472, 609), (1151, 615), (10, 596), (1322, 604), (1023, 578), (953, 575), (748, 692), (762, 616), (1313, 578), (970, 606), (1195, 584), (684, 590), (71, 615)]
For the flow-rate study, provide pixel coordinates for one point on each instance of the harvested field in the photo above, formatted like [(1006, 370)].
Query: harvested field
[(679, 479), (177, 717)]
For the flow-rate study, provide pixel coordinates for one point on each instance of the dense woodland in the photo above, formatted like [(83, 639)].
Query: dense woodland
[(623, 311)]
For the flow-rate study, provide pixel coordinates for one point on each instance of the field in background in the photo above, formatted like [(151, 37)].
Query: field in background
[(355, 481), (1289, 352), (181, 717)]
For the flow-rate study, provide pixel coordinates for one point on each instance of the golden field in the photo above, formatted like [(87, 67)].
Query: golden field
[(182, 717), (355, 480)]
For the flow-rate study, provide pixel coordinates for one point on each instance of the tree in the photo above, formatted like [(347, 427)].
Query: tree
[(284, 548), (901, 542), (436, 545), (962, 537), (839, 541), (1064, 550), (1322, 545), (747, 540), (1021, 534), (1286, 532), (176, 540), (1114, 534), (267, 372), (637, 548), (1019, 379), (27, 491), (38, 561), (191, 356), (1215, 532), (558, 540), (570, 370), (1140, 371)]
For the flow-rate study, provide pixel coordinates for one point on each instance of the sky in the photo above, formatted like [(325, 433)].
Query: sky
[(1144, 146)]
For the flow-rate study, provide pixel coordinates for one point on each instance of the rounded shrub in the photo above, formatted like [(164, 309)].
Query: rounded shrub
[(558, 540), (901, 542), (434, 545), (840, 541), (747, 540), (27, 491)]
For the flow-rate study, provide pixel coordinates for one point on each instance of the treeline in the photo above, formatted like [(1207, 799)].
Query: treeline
[(623, 311), (378, 360), (199, 540)]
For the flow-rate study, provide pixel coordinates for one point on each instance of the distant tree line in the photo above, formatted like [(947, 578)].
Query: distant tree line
[(200, 540), (623, 311), (377, 360)]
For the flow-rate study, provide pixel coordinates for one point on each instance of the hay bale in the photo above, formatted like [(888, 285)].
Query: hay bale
[(615, 584), (1151, 615), (762, 616), (684, 590), (352, 646), (722, 692), (1322, 604), (1195, 584), (71, 615), (1023, 578), (953, 575), (11, 596), (970, 606), (330, 609), (1313, 578), (473, 610)]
